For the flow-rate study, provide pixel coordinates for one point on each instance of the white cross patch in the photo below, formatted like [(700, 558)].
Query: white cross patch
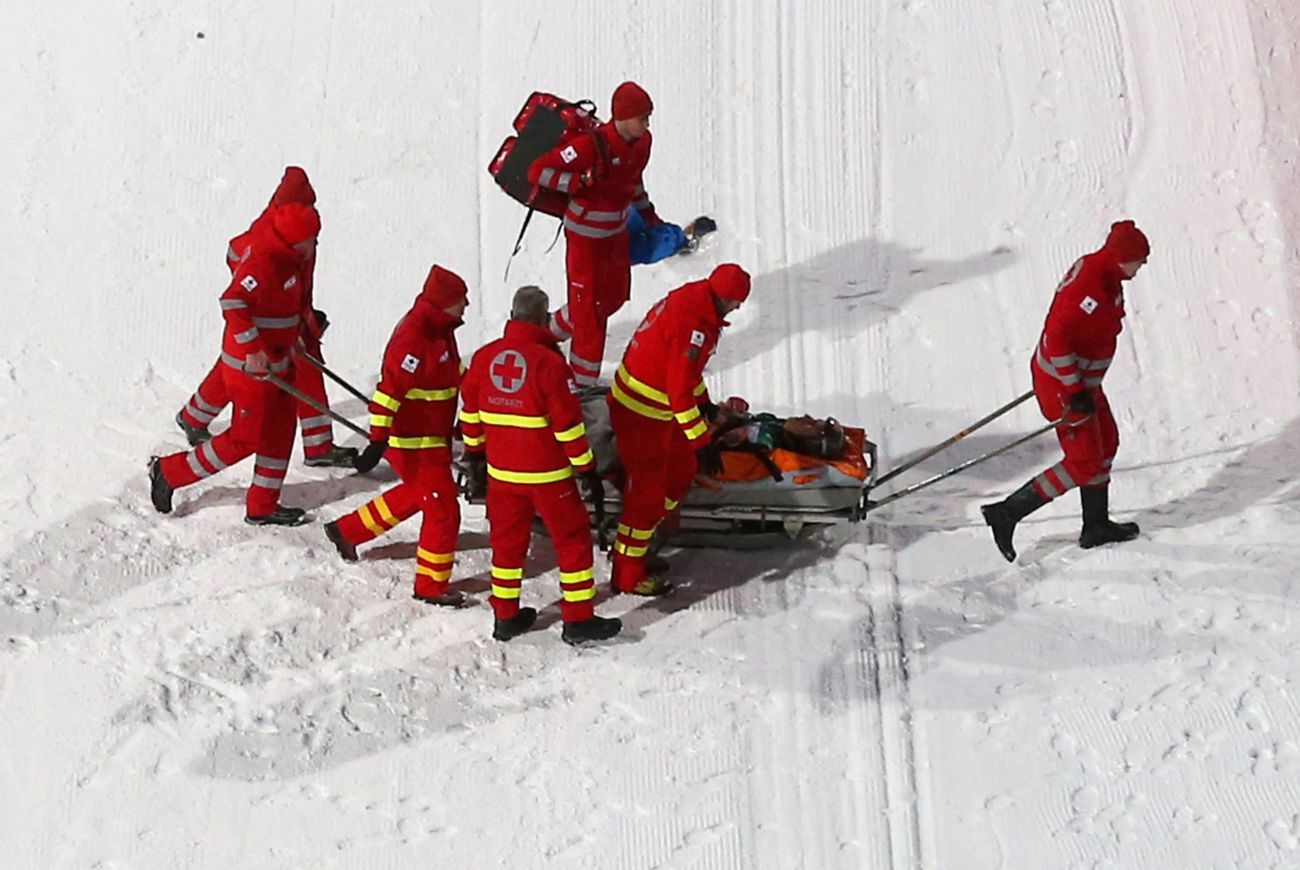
[(697, 338), (1088, 305), (410, 364), (249, 283), (573, 386), (569, 154)]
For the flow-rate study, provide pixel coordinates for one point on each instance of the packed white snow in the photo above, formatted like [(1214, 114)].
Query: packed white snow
[(907, 180)]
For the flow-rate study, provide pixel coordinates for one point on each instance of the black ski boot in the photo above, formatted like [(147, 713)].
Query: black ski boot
[(160, 491), (336, 457), (1002, 516), (453, 598), (281, 516), (508, 629), (195, 435), (1098, 527), (346, 548), (588, 630)]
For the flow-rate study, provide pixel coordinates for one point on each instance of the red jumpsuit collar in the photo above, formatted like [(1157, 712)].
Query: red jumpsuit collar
[(519, 330)]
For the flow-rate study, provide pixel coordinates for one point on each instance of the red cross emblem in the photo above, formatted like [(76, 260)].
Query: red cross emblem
[(508, 371)]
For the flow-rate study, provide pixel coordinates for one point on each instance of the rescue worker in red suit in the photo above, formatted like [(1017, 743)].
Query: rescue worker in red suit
[(412, 413), (1073, 355), (211, 397), (601, 172), (262, 308), (523, 428), (660, 412)]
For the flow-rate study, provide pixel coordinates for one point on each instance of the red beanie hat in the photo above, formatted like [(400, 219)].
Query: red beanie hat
[(294, 187), (444, 288), (631, 101), (295, 222), (1126, 243), (730, 282)]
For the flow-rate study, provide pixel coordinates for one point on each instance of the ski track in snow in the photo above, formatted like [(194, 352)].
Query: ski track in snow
[(906, 181)]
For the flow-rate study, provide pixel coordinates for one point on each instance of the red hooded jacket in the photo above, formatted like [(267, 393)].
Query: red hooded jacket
[(414, 403)]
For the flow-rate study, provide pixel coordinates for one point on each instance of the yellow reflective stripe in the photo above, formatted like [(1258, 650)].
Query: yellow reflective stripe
[(463, 368), (669, 504), (385, 401), (384, 420), (632, 552), (635, 534), (518, 421), (699, 390), (530, 476), (577, 595), (642, 387), (470, 417), (431, 395), (571, 434), (507, 573), (577, 576), (474, 441), (697, 430), (637, 407), (687, 416), (415, 443), (579, 461), (385, 514), (426, 571), (424, 554), (505, 591), (368, 520)]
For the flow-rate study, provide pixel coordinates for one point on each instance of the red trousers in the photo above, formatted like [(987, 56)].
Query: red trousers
[(427, 487), (1089, 447), (660, 466), (510, 510), (317, 433), (600, 281), (262, 423)]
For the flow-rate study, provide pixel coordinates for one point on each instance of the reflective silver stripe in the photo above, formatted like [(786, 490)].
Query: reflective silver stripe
[(272, 464), (544, 179), (233, 304), (236, 363), (565, 183), (247, 335), (583, 379), (202, 416), (575, 360), (1100, 479), (1069, 380), (277, 322), (591, 232), (309, 422), (1045, 481), (1063, 361), (268, 482), (198, 400), (231, 253), (313, 440), (1092, 382), (209, 454), (579, 212), (557, 327), (1094, 364), (192, 459)]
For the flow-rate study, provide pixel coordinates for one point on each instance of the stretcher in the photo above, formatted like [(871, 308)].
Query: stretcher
[(759, 498)]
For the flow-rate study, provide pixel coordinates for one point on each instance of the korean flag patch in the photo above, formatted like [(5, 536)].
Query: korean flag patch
[(249, 283), (410, 364), (569, 154), (697, 338), (1088, 305)]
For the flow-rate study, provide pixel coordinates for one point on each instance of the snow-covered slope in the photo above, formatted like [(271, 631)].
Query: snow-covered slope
[(907, 181)]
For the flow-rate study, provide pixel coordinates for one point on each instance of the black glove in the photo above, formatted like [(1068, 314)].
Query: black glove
[(1082, 402), (709, 411), (476, 476), (370, 457), (708, 460), (322, 322), (593, 486)]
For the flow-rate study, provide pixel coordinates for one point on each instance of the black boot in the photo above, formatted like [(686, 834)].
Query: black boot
[(587, 630), (1098, 527), (195, 435), (1002, 516), (452, 598), (346, 548), (160, 491), (336, 457), (281, 516), (507, 629)]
